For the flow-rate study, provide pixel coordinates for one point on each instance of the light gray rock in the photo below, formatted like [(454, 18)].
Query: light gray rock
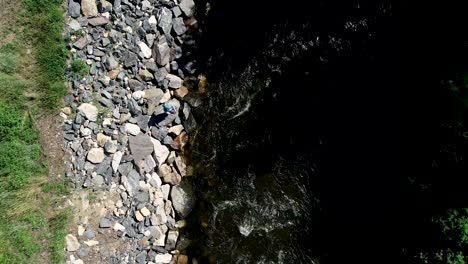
[(140, 147), (98, 180), (176, 11), (178, 26), (74, 25), (174, 81), (145, 5), (160, 74), (171, 241), (159, 217), (187, 7), (150, 164), (89, 234), (132, 129), (145, 50), (116, 160), (105, 223), (165, 189), (96, 155), (152, 20), (161, 152), (89, 8), (72, 243), (89, 111), (131, 182), (74, 9), (165, 20), (183, 199), (161, 52), (98, 21)]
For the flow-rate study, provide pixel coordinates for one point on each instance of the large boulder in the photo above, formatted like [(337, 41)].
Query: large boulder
[(183, 198)]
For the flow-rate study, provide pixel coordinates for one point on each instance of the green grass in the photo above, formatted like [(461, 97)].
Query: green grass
[(79, 67), (30, 224)]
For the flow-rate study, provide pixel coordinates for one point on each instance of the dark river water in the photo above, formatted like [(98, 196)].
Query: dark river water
[(296, 153)]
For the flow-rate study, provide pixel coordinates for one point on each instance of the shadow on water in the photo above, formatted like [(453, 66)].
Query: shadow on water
[(300, 118)]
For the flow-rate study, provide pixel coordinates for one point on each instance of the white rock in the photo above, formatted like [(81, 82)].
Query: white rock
[(187, 7), (89, 8), (163, 258), (80, 230), (89, 111), (161, 152), (145, 50), (155, 180), (132, 129), (176, 129), (119, 227), (139, 217), (74, 25), (144, 211), (84, 131), (107, 122), (72, 243), (116, 160), (91, 243), (96, 155), (138, 95), (152, 20), (161, 241), (165, 190)]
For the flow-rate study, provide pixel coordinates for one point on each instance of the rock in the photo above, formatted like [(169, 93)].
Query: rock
[(163, 258), (168, 176), (96, 155), (161, 52), (81, 230), (110, 146), (98, 21), (82, 252), (161, 152), (144, 211), (131, 182), (178, 26), (160, 74), (72, 243), (142, 197), (105, 6), (183, 199), (111, 63), (102, 139), (74, 25), (89, 111), (141, 257), (181, 92), (91, 243), (98, 180), (74, 9), (89, 8), (81, 43), (165, 189), (174, 81), (176, 11), (135, 85), (180, 141), (165, 20), (159, 217), (145, 75), (89, 234), (176, 130), (150, 164), (113, 74), (119, 227), (172, 239), (140, 147), (132, 129), (155, 181), (187, 7), (181, 166), (116, 160), (139, 217), (145, 50), (105, 223), (130, 59), (152, 20)]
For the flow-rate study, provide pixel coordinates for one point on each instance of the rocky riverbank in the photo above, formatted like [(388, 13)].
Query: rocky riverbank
[(126, 126)]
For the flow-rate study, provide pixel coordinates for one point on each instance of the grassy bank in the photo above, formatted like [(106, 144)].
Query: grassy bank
[(32, 59)]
